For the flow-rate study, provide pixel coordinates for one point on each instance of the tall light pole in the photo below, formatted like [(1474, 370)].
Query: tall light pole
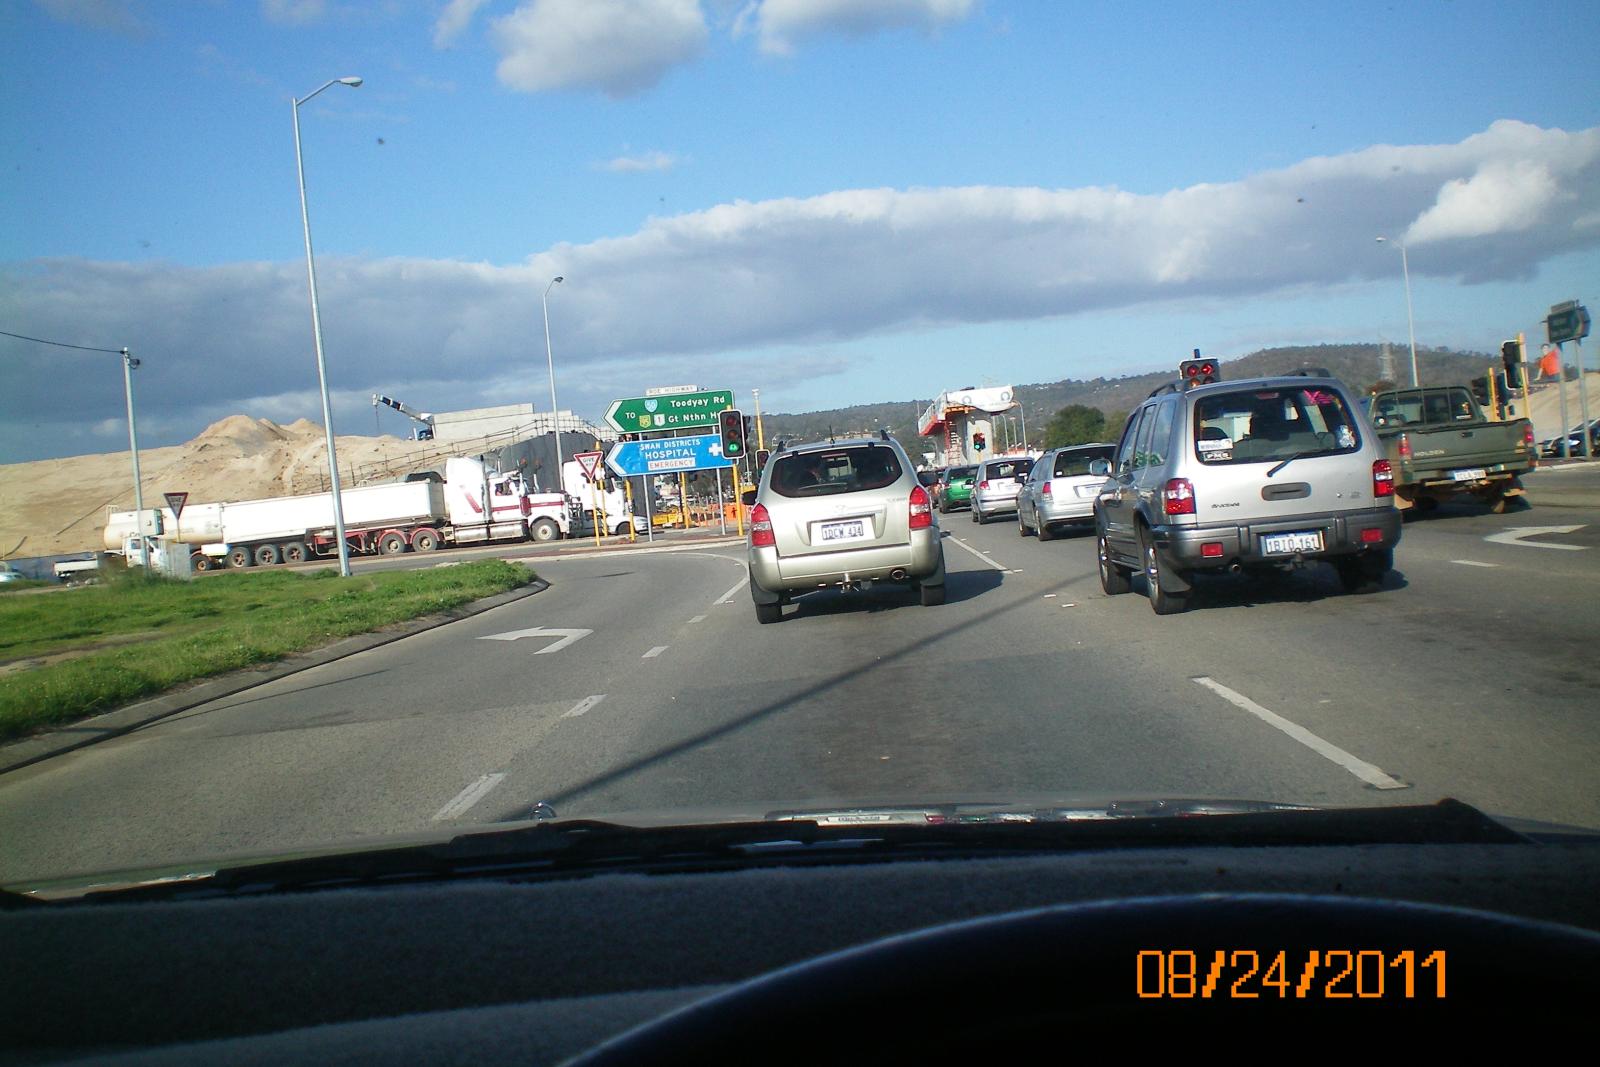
[(128, 363), (1411, 326), (316, 333), (550, 361)]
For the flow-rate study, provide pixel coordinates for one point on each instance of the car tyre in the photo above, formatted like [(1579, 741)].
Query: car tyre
[(1367, 570), (1022, 526), (769, 613), (1114, 581), (1162, 602)]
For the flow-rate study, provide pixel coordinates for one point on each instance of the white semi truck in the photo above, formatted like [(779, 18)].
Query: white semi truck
[(471, 505), (603, 494)]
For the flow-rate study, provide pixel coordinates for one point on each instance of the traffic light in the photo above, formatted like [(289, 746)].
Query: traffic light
[(762, 455), (1198, 371), (1480, 390), (1511, 358), (979, 442), (731, 423)]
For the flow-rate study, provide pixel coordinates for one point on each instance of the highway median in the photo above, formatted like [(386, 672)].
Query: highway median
[(67, 655)]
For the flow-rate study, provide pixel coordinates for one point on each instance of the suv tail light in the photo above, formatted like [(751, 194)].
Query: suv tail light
[(761, 535), (1382, 477), (921, 510), (1177, 497), (1405, 449), (1046, 490)]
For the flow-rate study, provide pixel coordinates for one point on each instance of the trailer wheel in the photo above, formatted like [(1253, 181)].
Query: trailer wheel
[(425, 540), (201, 562), (268, 555), (240, 557), (295, 552), (392, 543), (545, 530)]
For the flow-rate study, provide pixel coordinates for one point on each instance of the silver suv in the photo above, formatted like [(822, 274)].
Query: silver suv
[(1231, 476), (841, 513)]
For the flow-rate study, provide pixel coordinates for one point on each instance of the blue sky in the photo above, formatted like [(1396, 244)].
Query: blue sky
[(835, 201)]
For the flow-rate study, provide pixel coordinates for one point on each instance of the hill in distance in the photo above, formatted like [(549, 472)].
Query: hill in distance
[(1356, 364)]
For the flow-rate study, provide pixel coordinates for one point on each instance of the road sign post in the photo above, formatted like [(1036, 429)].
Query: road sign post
[(175, 501)]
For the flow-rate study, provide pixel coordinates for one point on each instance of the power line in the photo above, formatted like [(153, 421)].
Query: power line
[(61, 344)]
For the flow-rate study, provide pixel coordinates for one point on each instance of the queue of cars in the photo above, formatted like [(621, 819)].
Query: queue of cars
[(1239, 477)]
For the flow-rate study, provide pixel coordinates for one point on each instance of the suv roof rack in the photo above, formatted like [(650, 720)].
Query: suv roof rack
[(1309, 372), (1166, 387)]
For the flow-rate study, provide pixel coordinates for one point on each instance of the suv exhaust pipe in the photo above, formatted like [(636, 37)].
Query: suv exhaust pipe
[(898, 574)]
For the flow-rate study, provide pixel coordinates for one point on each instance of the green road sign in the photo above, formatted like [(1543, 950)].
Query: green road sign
[(1567, 322), (646, 414)]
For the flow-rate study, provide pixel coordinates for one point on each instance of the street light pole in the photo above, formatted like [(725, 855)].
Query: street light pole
[(550, 361), (1411, 326), (316, 333), (128, 363)]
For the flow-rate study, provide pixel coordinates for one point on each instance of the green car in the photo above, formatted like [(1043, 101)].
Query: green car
[(955, 488)]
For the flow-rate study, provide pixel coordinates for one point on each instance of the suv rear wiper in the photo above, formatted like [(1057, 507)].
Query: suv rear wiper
[(1291, 459)]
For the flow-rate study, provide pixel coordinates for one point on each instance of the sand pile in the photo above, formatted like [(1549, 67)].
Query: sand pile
[(59, 505)]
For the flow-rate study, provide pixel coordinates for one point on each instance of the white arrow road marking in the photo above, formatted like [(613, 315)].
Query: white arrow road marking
[(567, 637), (1515, 535), (583, 705), (468, 797), (1360, 768)]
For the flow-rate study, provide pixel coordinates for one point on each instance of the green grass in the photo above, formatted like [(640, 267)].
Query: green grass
[(179, 631), (26, 583)]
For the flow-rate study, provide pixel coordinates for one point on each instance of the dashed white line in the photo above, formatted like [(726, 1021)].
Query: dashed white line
[(727, 598), (698, 618), (654, 652), (583, 705), (468, 797), (997, 566), (1473, 563), (1363, 770)]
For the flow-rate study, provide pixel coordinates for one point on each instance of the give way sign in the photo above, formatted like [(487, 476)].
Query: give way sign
[(589, 461)]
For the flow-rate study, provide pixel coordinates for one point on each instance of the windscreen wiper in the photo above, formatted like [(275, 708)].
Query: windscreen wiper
[(580, 847)]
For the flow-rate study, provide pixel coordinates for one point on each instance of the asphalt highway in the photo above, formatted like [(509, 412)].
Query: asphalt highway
[(639, 682)]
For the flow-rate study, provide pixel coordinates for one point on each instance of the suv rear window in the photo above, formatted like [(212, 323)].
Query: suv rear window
[(958, 473), (1266, 425), (1074, 464), (1008, 468), (840, 470)]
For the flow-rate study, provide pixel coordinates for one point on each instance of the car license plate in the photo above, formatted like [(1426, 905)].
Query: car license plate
[(1474, 475), (853, 530), (1284, 543)]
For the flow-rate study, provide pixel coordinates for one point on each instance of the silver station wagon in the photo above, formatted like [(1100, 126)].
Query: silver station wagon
[(841, 514), (1233, 476)]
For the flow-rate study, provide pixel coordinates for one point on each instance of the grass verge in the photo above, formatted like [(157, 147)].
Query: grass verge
[(190, 630)]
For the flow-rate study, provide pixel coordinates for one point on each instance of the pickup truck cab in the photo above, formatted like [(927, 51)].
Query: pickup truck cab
[(1440, 444)]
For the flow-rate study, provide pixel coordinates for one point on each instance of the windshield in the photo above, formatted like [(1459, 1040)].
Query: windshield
[(1263, 425), (424, 415)]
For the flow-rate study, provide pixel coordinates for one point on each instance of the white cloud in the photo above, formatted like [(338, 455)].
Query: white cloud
[(1502, 197), (791, 274), (453, 21), (778, 24), (116, 15), (618, 47), (645, 161)]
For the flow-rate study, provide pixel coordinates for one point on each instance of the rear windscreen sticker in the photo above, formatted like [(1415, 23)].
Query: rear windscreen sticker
[(1221, 445)]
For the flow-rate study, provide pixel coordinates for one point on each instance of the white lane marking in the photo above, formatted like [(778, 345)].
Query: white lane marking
[(1360, 768), (1515, 535), (962, 544), (654, 652), (567, 637), (727, 598), (698, 618), (1473, 563), (468, 797), (583, 705), (592, 554)]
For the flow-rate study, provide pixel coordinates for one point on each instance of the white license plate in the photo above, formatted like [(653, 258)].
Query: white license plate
[(1276, 544), (853, 530), (1473, 475)]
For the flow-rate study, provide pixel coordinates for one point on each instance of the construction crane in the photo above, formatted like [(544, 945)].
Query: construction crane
[(424, 419)]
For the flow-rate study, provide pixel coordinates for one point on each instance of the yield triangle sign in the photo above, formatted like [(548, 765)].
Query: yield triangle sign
[(589, 461), (175, 501)]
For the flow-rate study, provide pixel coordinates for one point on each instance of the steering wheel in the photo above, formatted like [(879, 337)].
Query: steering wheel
[(1042, 982)]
